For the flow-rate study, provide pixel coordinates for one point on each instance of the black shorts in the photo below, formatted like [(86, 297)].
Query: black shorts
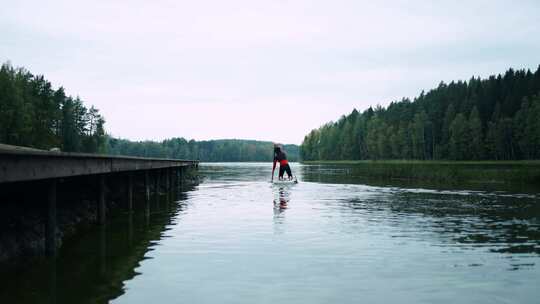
[(282, 170)]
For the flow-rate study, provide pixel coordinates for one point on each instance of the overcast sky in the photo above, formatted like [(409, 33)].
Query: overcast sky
[(268, 70)]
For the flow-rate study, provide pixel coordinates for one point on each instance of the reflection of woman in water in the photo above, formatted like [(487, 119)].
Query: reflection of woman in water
[(282, 200)]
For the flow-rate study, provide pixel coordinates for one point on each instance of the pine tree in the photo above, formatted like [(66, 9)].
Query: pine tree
[(418, 130), (459, 138), (449, 116), (476, 146)]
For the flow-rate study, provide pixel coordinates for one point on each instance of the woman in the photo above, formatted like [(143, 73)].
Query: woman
[(281, 157)]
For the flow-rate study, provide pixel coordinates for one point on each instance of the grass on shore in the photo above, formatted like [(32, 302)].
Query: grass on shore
[(427, 162), (524, 172)]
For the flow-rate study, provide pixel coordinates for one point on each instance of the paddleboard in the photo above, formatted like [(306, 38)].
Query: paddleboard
[(285, 181)]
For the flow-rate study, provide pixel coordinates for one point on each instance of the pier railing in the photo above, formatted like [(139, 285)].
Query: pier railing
[(23, 164)]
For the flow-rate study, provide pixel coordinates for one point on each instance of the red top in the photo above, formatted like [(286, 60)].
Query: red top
[(282, 162), (281, 158)]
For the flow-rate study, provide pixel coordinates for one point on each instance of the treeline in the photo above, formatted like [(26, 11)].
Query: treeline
[(497, 118), (224, 150), (33, 114)]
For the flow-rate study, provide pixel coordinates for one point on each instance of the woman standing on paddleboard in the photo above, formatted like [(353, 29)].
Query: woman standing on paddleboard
[(281, 157)]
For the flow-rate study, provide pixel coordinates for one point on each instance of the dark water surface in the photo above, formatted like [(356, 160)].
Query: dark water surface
[(236, 238)]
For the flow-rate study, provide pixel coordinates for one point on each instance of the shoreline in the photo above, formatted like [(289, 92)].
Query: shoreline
[(431, 162), (452, 172)]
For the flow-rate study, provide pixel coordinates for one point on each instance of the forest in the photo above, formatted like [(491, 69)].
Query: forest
[(497, 118), (33, 114), (223, 150), (480, 119)]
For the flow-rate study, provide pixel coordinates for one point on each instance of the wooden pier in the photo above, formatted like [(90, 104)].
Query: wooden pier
[(24, 165)]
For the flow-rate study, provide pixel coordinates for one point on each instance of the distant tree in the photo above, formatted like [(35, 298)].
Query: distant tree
[(476, 146), (211, 151), (418, 131), (459, 138), (372, 137), (404, 142), (449, 116)]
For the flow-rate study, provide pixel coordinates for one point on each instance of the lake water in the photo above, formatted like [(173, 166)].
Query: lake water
[(236, 238)]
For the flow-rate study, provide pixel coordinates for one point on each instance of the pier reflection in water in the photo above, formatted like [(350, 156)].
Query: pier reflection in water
[(93, 267), (239, 239)]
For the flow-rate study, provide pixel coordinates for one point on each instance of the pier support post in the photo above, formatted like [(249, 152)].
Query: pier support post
[(52, 280), (50, 226), (130, 229), (178, 180), (173, 184), (146, 193), (168, 184), (130, 192), (182, 173), (157, 186), (103, 251), (101, 200), (157, 183)]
